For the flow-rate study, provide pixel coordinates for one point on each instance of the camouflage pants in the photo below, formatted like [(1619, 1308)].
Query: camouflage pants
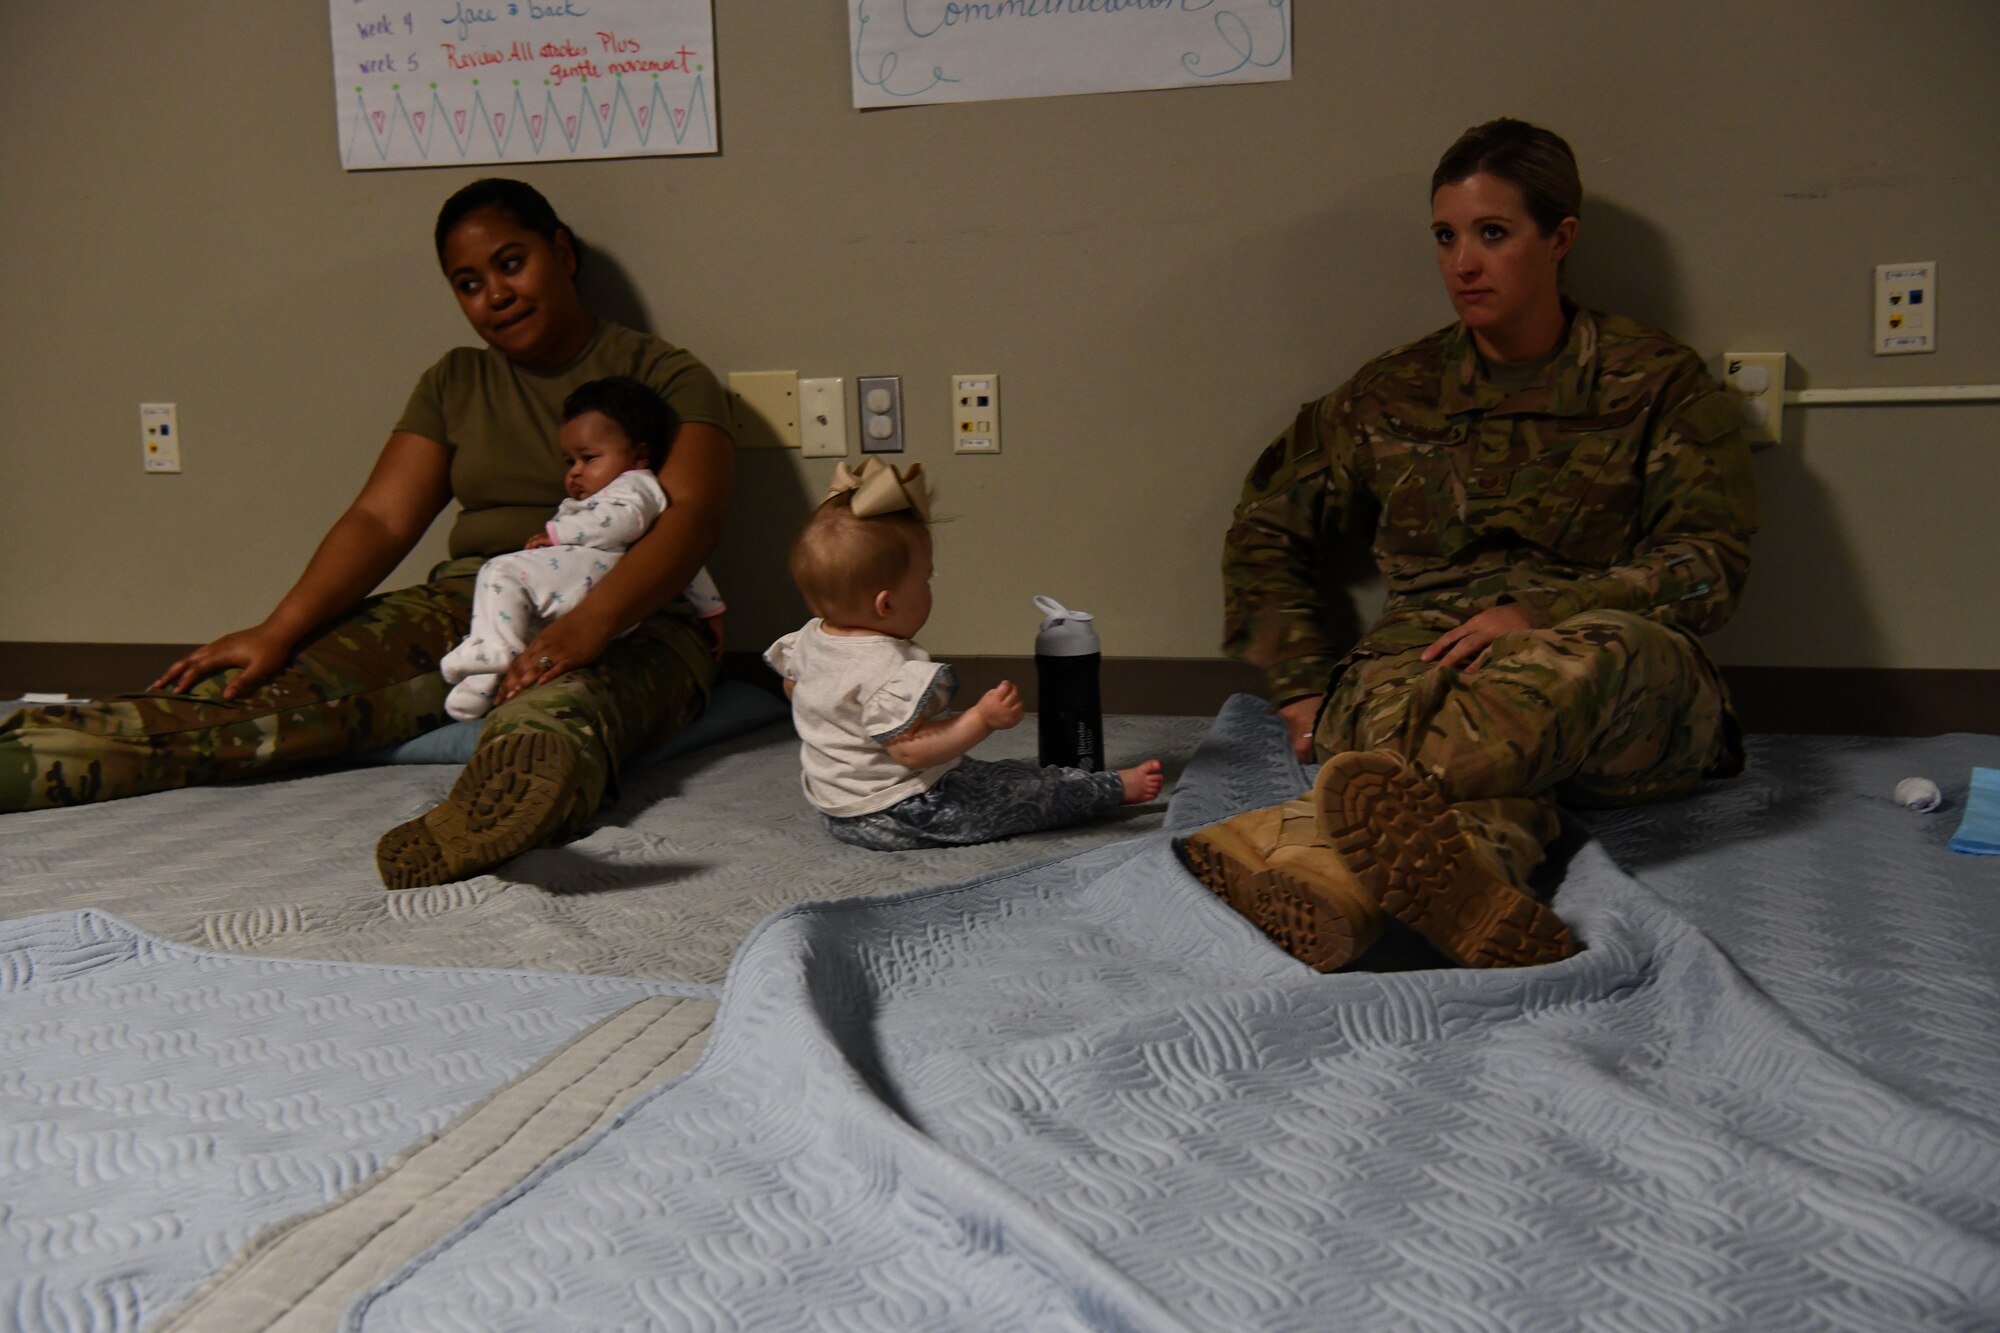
[(369, 679), (1605, 709)]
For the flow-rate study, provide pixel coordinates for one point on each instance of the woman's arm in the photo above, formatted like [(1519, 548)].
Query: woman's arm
[(1300, 495), (411, 483), (698, 477)]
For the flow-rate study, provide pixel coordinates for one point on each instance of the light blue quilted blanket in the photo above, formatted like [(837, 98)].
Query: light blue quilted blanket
[(161, 1105), (1083, 1095)]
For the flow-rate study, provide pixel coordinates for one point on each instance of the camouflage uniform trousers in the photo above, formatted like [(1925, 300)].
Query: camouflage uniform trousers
[(1607, 708), (368, 680)]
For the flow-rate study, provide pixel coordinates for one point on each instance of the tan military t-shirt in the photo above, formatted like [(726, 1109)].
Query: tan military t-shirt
[(500, 420)]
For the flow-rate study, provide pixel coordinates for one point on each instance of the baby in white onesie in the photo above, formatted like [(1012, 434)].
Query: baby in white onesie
[(884, 769), (614, 434)]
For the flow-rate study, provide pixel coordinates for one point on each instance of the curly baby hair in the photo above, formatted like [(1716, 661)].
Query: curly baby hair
[(645, 417)]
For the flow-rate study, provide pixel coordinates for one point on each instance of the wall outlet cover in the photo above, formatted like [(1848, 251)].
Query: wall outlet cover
[(881, 413), (765, 404), (160, 437), (975, 414), (1758, 381), (1906, 308)]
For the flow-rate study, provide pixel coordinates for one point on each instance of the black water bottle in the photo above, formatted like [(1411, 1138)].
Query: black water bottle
[(1067, 657)]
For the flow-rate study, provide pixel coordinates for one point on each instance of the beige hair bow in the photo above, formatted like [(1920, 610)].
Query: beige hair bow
[(879, 489)]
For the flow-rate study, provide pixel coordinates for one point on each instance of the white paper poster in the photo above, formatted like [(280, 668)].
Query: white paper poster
[(912, 51), (425, 83)]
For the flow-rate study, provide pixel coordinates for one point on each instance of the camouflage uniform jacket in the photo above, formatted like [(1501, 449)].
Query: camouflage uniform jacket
[(1616, 478)]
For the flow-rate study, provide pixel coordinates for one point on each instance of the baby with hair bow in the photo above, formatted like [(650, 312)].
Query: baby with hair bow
[(882, 764)]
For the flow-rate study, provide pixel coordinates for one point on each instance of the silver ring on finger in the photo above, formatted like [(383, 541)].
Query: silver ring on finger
[(547, 663)]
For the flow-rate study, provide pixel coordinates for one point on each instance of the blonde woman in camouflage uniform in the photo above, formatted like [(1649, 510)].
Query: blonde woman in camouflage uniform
[(333, 671), (1560, 501)]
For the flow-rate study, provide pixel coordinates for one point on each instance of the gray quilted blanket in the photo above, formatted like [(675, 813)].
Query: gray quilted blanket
[(1079, 1093)]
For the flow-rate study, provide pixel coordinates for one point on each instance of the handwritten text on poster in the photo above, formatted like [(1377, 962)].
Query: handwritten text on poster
[(447, 82)]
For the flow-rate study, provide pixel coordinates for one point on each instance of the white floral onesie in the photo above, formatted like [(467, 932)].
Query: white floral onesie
[(518, 594)]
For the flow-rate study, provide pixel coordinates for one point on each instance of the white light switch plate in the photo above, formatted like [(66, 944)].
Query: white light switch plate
[(823, 418)]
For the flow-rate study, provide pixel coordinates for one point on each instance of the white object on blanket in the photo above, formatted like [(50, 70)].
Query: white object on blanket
[(32, 698), (1919, 794)]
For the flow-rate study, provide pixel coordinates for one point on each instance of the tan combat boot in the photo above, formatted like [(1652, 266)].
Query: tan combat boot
[(1397, 833), (1272, 866), (513, 796)]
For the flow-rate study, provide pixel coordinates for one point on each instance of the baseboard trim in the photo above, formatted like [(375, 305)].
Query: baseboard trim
[(1865, 701), (85, 670), (1849, 701), (1175, 686), (1855, 701)]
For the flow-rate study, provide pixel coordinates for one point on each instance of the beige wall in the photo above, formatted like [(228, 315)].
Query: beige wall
[(1160, 278)]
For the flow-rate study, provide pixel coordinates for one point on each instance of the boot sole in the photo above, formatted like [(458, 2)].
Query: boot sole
[(1287, 907), (512, 795), (1397, 833)]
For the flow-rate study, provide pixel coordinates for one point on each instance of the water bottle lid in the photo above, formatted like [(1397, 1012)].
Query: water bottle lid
[(1065, 633), (1055, 610)]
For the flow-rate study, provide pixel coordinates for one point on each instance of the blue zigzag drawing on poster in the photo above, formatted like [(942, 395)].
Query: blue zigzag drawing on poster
[(463, 125)]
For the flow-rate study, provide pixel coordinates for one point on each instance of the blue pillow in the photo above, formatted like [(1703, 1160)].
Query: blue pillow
[(733, 708)]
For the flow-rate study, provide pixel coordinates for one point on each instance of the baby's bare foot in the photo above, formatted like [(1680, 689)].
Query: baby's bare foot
[(1142, 782)]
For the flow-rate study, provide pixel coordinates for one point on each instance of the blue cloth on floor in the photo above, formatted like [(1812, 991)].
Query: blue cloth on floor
[(734, 708), (1979, 829)]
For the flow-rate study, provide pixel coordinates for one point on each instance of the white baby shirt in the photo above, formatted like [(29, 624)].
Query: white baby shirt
[(851, 695)]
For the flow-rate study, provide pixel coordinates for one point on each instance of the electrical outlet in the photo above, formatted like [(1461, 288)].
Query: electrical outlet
[(766, 406), (823, 418), (1759, 381), (1905, 308), (975, 414), (881, 413), (160, 434)]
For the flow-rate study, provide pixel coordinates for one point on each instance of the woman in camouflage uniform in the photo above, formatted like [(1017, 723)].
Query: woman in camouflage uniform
[(1559, 501), (332, 671)]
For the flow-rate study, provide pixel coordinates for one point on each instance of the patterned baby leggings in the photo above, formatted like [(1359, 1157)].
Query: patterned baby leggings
[(983, 801)]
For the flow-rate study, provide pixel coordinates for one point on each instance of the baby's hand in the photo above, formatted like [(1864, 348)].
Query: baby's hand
[(1000, 707), (538, 541)]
